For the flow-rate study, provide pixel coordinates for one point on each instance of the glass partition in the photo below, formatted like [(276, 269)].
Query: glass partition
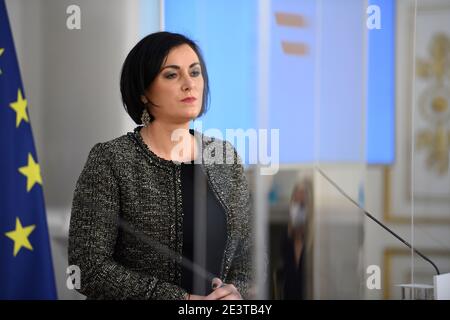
[(429, 142), (416, 187), (340, 150), (339, 111), (292, 77)]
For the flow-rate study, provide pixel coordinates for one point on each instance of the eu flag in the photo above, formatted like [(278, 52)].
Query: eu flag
[(26, 269)]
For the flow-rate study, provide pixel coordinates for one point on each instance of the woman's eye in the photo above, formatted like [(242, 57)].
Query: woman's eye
[(195, 73), (171, 75)]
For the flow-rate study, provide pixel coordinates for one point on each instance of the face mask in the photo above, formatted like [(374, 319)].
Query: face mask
[(297, 214)]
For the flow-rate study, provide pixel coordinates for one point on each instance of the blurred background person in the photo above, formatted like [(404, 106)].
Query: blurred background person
[(294, 244)]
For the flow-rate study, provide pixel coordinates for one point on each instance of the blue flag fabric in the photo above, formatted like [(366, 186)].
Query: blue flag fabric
[(26, 269)]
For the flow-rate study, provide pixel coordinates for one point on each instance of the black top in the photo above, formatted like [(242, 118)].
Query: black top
[(294, 273), (216, 229)]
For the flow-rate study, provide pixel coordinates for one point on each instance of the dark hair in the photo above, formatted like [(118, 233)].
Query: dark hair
[(143, 64)]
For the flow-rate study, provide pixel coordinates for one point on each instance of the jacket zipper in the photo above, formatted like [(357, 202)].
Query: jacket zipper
[(177, 231)]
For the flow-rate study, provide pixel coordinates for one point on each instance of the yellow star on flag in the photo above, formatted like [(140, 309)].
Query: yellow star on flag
[(1, 52), (20, 236), (20, 107), (32, 171)]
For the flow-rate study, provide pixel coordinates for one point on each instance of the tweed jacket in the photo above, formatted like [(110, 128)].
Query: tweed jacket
[(123, 180)]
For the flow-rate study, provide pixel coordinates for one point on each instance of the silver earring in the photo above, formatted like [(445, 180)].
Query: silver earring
[(145, 118)]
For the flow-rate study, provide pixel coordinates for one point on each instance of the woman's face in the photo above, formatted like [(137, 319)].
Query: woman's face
[(180, 78)]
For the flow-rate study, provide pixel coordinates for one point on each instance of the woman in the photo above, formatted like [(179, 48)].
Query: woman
[(137, 190), (297, 242)]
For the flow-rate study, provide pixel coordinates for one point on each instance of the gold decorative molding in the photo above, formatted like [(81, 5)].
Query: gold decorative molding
[(434, 72), (388, 216)]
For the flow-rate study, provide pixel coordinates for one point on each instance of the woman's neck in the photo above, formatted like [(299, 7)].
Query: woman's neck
[(170, 141)]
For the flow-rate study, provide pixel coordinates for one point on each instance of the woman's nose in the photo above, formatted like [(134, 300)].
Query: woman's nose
[(188, 83)]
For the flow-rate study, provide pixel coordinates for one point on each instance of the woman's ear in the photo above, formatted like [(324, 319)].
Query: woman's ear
[(144, 100)]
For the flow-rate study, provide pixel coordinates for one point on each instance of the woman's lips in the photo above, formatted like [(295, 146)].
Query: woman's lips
[(189, 100)]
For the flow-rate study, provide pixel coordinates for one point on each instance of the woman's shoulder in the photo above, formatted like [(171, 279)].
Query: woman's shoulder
[(122, 145)]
